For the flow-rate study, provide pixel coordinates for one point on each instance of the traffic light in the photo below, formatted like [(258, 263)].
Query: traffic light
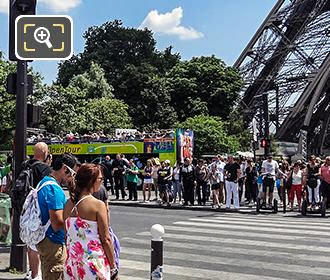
[(265, 143), (18, 8)]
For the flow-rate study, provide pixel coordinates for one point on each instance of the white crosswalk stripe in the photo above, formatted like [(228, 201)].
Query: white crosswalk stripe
[(233, 246)]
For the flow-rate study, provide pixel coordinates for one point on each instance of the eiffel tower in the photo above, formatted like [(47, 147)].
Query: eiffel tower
[(288, 59)]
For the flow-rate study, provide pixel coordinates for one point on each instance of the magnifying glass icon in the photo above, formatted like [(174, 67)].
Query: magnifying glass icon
[(42, 35)]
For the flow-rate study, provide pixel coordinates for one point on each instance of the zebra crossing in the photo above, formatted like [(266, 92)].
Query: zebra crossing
[(234, 246)]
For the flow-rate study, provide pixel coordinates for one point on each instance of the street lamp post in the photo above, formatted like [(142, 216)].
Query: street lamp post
[(18, 248), (16, 9)]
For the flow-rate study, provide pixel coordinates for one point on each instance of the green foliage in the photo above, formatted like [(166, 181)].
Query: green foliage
[(7, 105), (93, 83), (87, 104), (203, 85), (210, 135), (236, 126)]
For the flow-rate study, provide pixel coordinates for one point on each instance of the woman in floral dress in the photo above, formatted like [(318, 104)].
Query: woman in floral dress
[(90, 252)]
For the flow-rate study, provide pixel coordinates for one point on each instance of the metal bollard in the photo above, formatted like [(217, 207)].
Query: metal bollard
[(157, 233)]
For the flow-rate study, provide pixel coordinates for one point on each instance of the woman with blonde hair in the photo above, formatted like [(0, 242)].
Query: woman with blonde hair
[(90, 252)]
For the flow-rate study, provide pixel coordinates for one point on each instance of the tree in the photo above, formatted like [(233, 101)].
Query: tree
[(115, 47), (203, 85), (210, 135), (87, 104), (131, 65)]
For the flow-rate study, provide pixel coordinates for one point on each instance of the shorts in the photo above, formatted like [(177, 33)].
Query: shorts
[(268, 182), (148, 181), (164, 188), (215, 186), (52, 257)]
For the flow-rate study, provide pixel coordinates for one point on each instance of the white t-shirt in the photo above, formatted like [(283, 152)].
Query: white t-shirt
[(270, 167), (221, 170)]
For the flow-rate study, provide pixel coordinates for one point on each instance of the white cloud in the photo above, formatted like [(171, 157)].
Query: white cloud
[(53, 5), (4, 4), (60, 5), (170, 24)]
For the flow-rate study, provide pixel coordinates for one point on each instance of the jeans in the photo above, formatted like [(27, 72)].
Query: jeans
[(177, 188)]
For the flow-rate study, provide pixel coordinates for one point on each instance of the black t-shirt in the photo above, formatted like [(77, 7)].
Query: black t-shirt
[(40, 170), (251, 174), (162, 174), (119, 164), (232, 168)]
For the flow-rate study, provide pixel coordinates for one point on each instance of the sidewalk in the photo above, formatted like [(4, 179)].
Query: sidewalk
[(4, 264), (177, 206)]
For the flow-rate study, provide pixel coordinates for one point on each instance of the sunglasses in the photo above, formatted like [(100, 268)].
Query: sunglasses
[(70, 170)]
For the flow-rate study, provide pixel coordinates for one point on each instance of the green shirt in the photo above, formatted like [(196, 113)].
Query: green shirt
[(134, 178)]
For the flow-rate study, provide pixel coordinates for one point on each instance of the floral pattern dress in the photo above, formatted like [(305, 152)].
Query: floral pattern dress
[(85, 255)]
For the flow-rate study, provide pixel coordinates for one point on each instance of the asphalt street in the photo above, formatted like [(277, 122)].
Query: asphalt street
[(207, 245)]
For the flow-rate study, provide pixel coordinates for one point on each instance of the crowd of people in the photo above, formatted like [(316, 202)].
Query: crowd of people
[(99, 136), (78, 241), (223, 181)]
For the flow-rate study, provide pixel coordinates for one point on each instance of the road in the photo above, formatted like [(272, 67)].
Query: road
[(207, 245)]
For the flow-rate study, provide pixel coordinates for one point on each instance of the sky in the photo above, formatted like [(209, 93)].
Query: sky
[(193, 27)]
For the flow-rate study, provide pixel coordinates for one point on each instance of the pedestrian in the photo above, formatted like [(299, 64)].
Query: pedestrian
[(132, 179), (297, 178), (325, 179), (251, 182), (214, 177), (241, 180), (269, 170), (147, 181), (232, 173), (188, 182), (51, 199), (221, 169), (177, 182), (89, 244), (313, 183), (40, 165), (164, 179), (118, 171), (201, 174), (154, 175), (108, 178)]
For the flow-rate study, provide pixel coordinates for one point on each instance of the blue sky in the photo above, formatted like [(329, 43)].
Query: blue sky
[(192, 27)]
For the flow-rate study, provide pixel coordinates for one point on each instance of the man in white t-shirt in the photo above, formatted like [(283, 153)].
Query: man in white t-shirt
[(270, 167)]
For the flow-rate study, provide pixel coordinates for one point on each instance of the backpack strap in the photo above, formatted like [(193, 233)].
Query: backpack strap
[(50, 182)]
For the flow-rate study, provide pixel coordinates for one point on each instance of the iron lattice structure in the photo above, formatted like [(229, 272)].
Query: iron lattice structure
[(288, 58)]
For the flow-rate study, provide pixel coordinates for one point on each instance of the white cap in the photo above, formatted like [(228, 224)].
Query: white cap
[(157, 232)]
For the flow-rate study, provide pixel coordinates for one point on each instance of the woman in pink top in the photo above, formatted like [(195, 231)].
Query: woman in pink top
[(325, 179), (90, 252)]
